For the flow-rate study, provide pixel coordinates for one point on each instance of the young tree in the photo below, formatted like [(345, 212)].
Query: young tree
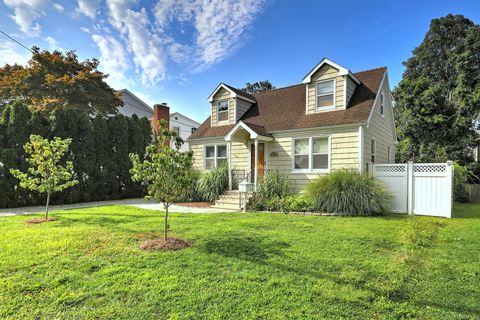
[(46, 174), (259, 86), (166, 171)]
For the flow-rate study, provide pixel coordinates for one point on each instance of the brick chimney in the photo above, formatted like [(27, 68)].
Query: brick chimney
[(160, 111)]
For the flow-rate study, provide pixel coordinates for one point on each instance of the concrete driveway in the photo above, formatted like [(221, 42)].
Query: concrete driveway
[(139, 203)]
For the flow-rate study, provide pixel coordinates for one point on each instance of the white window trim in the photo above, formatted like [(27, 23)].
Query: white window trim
[(334, 95), (374, 153), (310, 155), (389, 154), (382, 105), (215, 154), (228, 110)]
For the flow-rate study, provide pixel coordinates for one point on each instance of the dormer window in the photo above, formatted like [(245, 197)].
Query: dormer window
[(222, 110), (325, 94)]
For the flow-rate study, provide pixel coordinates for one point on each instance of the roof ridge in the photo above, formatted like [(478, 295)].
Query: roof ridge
[(293, 85), (373, 69)]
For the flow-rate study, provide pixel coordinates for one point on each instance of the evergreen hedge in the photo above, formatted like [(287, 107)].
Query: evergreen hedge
[(99, 151)]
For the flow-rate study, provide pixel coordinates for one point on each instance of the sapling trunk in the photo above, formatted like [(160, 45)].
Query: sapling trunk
[(165, 227), (46, 207)]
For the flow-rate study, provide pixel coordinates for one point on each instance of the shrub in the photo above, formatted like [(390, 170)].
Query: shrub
[(298, 203), (273, 184), (461, 175), (271, 188), (212, 184), (351, 193)]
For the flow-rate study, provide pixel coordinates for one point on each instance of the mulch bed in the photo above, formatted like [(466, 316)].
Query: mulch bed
[(194, 204), (171, 244), (40, 220)]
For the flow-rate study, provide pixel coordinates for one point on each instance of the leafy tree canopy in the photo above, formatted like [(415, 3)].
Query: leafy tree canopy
[(438, 98), (56, 79), (259, 86)]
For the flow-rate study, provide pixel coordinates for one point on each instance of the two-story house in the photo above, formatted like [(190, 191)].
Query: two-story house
[(334, 119)]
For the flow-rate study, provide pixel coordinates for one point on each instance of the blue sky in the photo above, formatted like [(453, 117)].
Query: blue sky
[(178, 51)]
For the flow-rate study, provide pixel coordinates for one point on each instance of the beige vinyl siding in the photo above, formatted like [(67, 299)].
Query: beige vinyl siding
[(242, 107), (326, 72), (343, 148), (351, 85), (223, 94), (382, 129)]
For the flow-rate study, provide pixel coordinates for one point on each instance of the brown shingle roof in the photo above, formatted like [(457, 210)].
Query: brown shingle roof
[(284, 109)]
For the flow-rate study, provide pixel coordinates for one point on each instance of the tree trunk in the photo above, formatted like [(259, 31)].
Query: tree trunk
[(165, 227), (46, 207)]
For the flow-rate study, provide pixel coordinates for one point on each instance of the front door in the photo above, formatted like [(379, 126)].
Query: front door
[(260, 162)]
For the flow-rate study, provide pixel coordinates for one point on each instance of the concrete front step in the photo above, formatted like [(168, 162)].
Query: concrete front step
[(230, 200)]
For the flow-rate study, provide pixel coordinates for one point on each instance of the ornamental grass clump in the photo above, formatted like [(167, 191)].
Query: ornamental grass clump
[(213, 183), (349, 193), (271, 190)]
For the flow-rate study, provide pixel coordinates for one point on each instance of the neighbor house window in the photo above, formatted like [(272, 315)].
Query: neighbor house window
[(177, 131), (373, 148), (311, 154), (215, 156), (194, 129), (382, 105), (222, 110), (325, 94)]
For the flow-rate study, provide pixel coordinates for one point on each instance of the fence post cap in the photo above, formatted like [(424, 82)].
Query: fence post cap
[(410, 162), (450, 162)]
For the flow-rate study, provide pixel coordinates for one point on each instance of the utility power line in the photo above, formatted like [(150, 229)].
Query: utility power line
[(16, 41)]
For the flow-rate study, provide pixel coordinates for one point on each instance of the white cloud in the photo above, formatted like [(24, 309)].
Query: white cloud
[(147, 47), (11, 53), (88, 8), (84, 29), (25, 12), (220, 25), (51, 41), (58, 7), (113, 60)]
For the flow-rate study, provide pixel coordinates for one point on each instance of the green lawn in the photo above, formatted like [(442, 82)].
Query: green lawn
[(87, 265)]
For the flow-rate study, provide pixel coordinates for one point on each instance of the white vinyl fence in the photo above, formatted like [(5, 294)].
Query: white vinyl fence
[(418, 188)]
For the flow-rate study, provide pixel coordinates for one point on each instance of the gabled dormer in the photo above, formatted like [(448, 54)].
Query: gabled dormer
[(329, 86), (228, 105)]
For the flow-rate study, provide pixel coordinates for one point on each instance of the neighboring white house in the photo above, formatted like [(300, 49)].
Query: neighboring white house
[(184, 127), (181, 124), (134, 105)]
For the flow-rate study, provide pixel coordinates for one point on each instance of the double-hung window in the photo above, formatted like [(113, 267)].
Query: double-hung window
[(215, 156), (222, 110), (325, 94), (311, 154)]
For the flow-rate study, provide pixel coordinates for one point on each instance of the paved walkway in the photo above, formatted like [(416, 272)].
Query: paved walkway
[(139, 203)]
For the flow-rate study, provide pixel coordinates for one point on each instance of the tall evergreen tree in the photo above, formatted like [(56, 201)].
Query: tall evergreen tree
[(438, 98), (16, 133), (103, 162), (120, 164)]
